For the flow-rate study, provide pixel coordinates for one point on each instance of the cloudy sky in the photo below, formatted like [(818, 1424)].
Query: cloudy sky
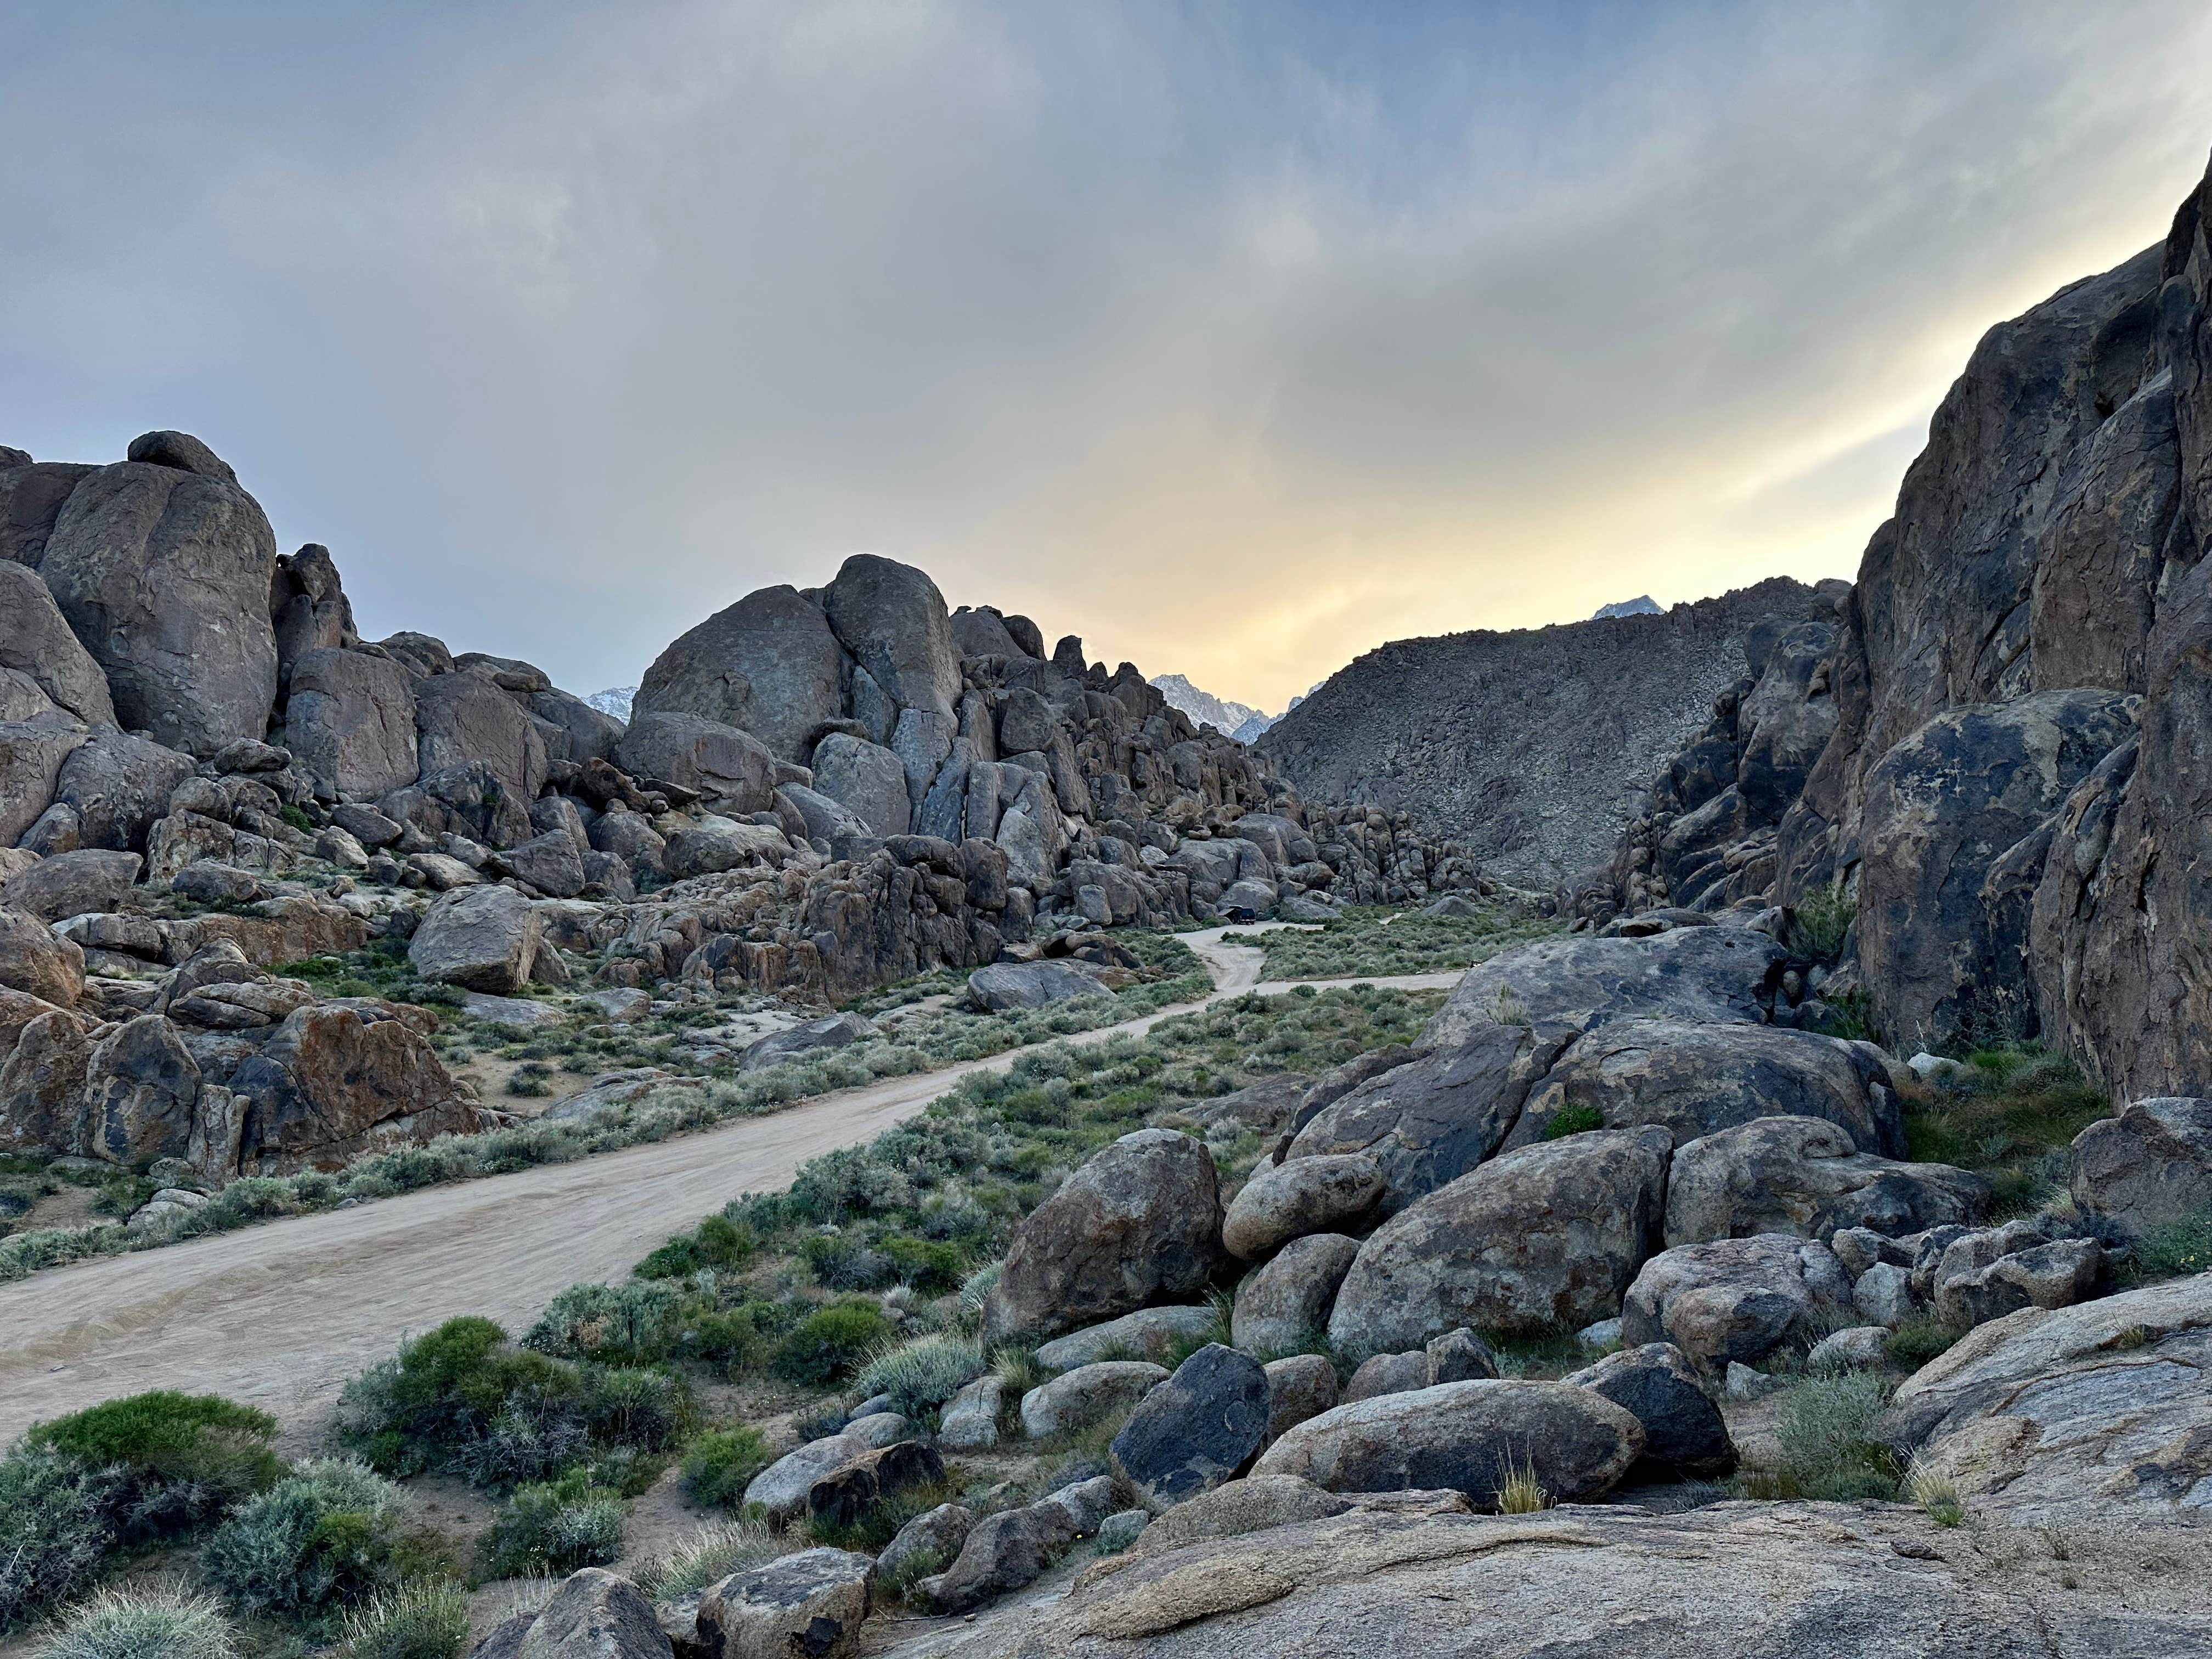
[(1236, 337)]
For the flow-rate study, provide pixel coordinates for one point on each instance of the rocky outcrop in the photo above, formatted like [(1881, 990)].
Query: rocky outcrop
[(1801, 1174), (1736, 1299), (2151, 1164)]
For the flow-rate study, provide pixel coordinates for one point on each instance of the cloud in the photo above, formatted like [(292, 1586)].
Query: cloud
[(1238, 339)]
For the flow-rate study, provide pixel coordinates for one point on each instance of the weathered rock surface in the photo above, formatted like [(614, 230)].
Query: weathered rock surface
[(1801, 1175), (2152, 1163), (1197, 1429), (1550, 1234), (780, 1489), (865, 779), (1139, 1221), (769, 665), (72, 884), (1302, 1196), (813, 1036), (350, 723), (1299, 1386), (1470, 1436), (481, 939), (36, 642), (1739, 1298), (1086, 1395), (1014, 985), (1149, 1334), (1006, 1551), (1655, 1384), (2095, 1413), (594, 1614), (1286, 1302), (813, 1602)]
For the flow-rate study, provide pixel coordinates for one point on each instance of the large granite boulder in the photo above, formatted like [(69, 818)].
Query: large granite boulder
[(481, 939), (35, 960), (142, 1091), (1736, 1299), (119, 786), (866, 780), (1006, 1551), (893, 621), (44, 1053), (164, 575), (36, 642), (2151, 1164), (769, 665), (1152, 1334), (733, 770), (715, 843), (1803, 1175), (594, 1614), (812, 1602), (1286, 1303), (350, 723), (1469, 1437), (1429, 1120), (781, 1488), (1300, 1197), (1550, 1235), (1087, 1394), (1942, 808), (309, 610), (32, 494), (1001, 987), (1197, 1429), (72, 884), (336, 1079), (2096, 1413), (1695, 975), (1139, 1221), (32, 754), (1683, 1432), (1695, 1080), (463, 719)]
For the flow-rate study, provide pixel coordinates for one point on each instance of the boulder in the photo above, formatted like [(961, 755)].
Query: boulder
[(1457, 1356), (893, 621), (1149, 1334), (811, 1603), (44, 1053), (1302, 1196), (118, 786), (350, 724), (165, 576), (594, 1614), (1802, 1175), (35, 960), (31, 753), (72, 884), (1285, 1304), (929, 1543), (1856, 1347), (1884, 1295), (142, 1088), (715, 844), (830, 1031), (1469, 1437), (1015, 985), (1735, 1299), (1299, 1386), (1087, 1394), (462, 719), (31, 498), (2096, 1413), (842, 1496), (2150, 1165), (1695, 975), (1196, 1430), (969, 1420), (731, 770), (337, 1079), (1550, 1234), (1431, 1120), (824, 819), (1006, 1551), (481, 939), (1979, 1277), (865, 779), (309, 610), (769, 665), (1683, 1433), (780, 1489), (36, 642), (1695, 1080), (551, 863), (1139, 1221)]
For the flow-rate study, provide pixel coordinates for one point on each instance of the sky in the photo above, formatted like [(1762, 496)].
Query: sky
[(1237, 338)]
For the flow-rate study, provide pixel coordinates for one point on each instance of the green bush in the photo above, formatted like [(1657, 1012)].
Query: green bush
[(1918, 1340), (326, 1538), (555, 1528), (1827, 1433), (921, 1375), (931, 1267), (167, 1623), (717, 1242), (2172, 1248), (55, 1529), (636, 1407), (830, 1342), (628, 1322), (720, 1464), (1819, 925), (179, 1461), (739, 1338), (1573, 1120), (422, 1618)]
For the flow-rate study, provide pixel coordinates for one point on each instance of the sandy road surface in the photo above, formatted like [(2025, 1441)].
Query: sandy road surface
[(281, 1315)]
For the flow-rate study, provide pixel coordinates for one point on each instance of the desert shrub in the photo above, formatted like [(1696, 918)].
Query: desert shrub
[(631, 1322), (1521, 1493), (1573, 1120), (1820, 924), (1919, 1339), (169, 1622), (1827, 1433), (977, 1287), (555, 1527), (635, 1407), (420, 1618), (739, 1338), (2011, 1121), (922, 1374), (830, 1342), (1852, 1017), (841, 1262), (177, 1460), (55, 1529), (1935, 1492), (710, 1555), (716, 1242), (326, 1538), (2171, 1249), (720, 1464), (931, 1267)]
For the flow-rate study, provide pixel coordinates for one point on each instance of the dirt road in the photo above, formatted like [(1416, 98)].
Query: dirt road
[(281, 1315)]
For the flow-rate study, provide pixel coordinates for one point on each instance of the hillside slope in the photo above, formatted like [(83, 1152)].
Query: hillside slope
[(1528, 748)]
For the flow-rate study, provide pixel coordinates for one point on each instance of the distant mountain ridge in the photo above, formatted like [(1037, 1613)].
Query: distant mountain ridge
[(1236, 720), (1642, 605), (615, 700)]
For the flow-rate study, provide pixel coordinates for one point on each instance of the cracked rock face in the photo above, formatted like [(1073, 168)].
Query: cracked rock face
[(2102, 1410)]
